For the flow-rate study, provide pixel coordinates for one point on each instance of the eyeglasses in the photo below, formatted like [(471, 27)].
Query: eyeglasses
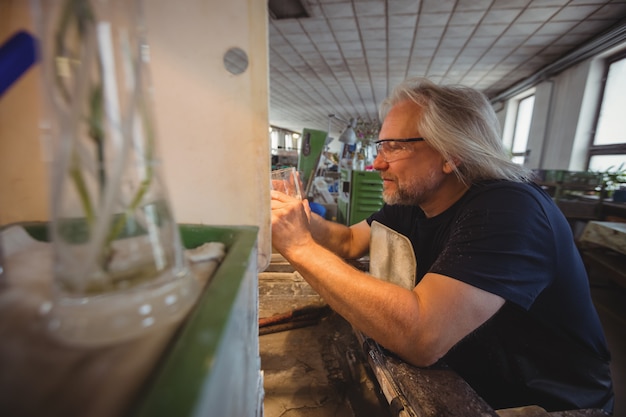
[(392, 148)]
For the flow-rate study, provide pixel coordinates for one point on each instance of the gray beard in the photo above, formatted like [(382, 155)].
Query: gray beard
[(412, 194)]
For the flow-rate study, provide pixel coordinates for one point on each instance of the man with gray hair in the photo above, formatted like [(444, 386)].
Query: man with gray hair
[(496, 287)]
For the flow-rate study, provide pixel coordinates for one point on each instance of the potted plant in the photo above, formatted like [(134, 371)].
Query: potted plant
[(614, 182)]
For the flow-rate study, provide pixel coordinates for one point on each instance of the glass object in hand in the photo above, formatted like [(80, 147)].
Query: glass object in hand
[(287, 180)]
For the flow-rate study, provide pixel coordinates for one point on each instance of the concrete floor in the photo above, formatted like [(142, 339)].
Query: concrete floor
[(316, 370)]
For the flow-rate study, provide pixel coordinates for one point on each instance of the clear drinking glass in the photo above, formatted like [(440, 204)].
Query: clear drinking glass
[(287, 180), (119, 266)]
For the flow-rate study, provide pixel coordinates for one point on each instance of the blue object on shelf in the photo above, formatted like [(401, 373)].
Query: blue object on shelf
[(317, 208), (16, 56)]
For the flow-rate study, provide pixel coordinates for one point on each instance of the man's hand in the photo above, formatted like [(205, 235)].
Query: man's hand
[(290, 222)]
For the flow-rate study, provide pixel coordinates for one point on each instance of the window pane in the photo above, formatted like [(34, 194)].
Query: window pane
[(519, 159), (289, 142), (522, 127), (611, 127), (274, 139), (602, 163)]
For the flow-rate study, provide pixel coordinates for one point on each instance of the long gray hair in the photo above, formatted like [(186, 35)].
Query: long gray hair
[(459, 123)]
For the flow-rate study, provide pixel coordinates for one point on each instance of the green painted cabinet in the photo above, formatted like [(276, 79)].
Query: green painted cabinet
[(213, 367), (361, 194), (311, 148)]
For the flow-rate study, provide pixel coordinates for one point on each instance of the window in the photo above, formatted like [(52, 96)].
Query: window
[(283, 139), (521, 130), (608, 149)]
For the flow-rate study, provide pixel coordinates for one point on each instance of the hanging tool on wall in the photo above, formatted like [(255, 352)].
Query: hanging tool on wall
[(16, 55)]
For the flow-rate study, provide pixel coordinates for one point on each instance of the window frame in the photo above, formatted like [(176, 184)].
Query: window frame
[(615, 148), (514, 125)]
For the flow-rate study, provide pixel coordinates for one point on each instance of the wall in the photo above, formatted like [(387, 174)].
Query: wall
[(23, 172), (564, 114), (568, 91), (212, 126)]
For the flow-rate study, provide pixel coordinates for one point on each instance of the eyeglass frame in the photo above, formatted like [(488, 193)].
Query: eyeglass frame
[(379, 144)]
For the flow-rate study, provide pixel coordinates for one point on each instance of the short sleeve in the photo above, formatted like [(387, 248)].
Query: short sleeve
[(502, 243)]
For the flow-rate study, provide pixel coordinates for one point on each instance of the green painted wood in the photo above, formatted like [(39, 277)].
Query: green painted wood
[(176, 388)]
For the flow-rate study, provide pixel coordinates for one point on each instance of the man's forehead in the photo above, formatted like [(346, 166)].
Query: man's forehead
[(401, 119)]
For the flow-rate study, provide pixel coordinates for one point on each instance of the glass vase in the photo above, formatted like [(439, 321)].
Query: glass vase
[(119, 266)]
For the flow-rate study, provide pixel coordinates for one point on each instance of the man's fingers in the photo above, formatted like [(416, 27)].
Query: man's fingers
[(280, 196)]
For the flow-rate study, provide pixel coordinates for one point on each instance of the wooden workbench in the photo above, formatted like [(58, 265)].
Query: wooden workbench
[(603, 246)]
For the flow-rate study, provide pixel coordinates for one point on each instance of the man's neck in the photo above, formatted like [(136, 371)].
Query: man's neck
[(449, 193)]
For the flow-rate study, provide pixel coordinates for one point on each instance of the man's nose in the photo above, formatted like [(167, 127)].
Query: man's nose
[(379, 163)]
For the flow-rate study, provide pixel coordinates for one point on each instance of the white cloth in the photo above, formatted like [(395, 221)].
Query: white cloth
[(391, 256)]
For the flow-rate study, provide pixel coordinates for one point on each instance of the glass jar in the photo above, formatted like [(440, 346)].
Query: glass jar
[(119, 266)]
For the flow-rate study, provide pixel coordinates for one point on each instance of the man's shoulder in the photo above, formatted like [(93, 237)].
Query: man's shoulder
[(507, 192), (398, 217), (498, 186)]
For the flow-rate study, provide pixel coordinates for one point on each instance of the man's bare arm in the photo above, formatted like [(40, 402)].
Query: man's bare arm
[(347, 242)]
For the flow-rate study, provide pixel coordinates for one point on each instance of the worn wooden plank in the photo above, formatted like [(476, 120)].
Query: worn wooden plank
[(423, 392)]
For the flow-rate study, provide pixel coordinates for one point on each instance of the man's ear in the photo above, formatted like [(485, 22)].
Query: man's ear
[(451, 165)]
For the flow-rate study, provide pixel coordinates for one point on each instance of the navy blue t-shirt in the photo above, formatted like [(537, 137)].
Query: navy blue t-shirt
[(546, 345)]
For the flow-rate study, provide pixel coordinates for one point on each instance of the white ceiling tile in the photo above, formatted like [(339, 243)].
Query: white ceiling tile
[(353, 54), (367, 34), (287, 27), (332, 56), (468, 5), (403, 7), (351, 46), (460, 31), (537, 14), (401, 44), (434, 6), (610, 11), (541, 3), (348, 35), (400, 33), (326, 47), (509, 42), (425, 45), (370, 8), (575, 13), (491, 30), (522, 29), (589, 27), (372, 22), (500, 15), (338, 24), (480, 42), (556, 28), (343, 9), (434, 19), (374, 43), (430, 32), (299, 39), (377, 55), (465, 18), (315, 24), (329, 64), (402, 21)]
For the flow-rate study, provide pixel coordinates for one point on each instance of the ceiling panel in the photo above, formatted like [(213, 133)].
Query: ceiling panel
[(347, 56)]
